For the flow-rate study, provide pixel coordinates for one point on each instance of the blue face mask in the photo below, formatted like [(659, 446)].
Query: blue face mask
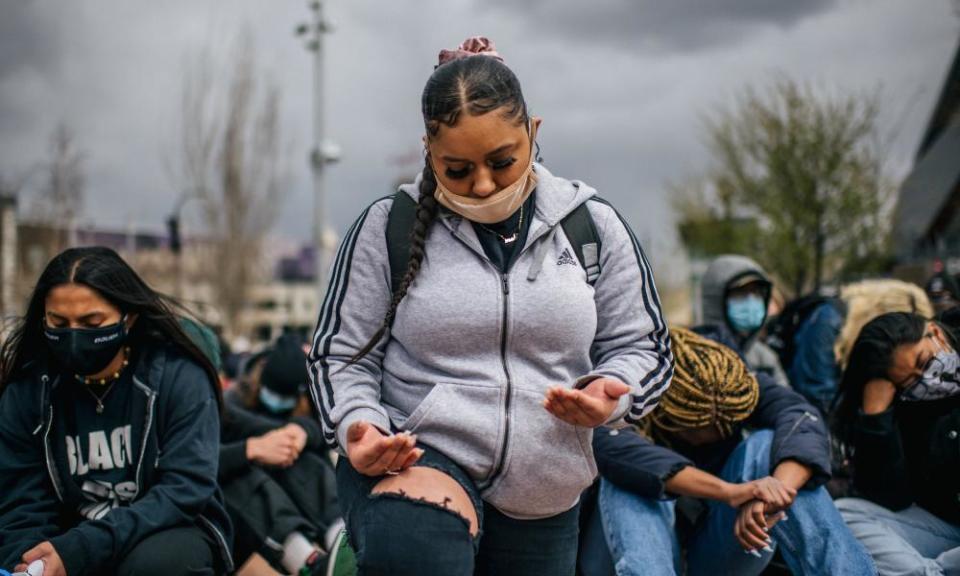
[(746, 313), (276, 403)]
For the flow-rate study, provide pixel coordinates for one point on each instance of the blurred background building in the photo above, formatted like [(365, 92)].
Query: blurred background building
[(927, 220)]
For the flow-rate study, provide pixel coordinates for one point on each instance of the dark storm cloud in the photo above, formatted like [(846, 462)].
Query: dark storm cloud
[(27, 41), (30, 52), (622, 87), (658, 25)]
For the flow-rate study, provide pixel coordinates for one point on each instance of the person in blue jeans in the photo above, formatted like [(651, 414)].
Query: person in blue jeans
[(692, 491)]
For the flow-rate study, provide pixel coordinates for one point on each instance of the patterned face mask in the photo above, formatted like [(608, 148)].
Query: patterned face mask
[(940, 379)]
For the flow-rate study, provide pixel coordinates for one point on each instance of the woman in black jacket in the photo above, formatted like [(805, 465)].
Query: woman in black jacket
[(739, 497), (898, 417), (109, 430)]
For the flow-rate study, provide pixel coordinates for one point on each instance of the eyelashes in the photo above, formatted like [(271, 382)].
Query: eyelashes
[(457, 174), (463, 172)]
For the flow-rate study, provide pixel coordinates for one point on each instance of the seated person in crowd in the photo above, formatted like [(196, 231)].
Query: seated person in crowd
[(898, 419), (942, 289), (740, 498), (735, 295), (816, 351), (279, 485), (109, 430)]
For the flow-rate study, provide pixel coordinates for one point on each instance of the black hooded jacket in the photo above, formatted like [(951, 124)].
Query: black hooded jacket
[(174, 416)]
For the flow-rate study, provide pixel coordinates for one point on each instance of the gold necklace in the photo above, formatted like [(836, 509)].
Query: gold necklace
[(112, 379), (512, 237)]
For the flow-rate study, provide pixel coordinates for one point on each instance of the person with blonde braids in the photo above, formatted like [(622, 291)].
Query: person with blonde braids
[(686, 488), (463, 395)]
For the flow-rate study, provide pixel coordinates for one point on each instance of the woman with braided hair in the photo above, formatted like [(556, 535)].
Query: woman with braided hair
[(463, 395), (690, 482)]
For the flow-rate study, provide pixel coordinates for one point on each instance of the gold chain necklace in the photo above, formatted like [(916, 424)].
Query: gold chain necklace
[(510, 239), (112, 379)]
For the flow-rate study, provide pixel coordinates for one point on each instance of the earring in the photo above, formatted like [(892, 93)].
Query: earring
[(536, 154)]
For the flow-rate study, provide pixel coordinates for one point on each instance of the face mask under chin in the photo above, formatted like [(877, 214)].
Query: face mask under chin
[(496, 207)]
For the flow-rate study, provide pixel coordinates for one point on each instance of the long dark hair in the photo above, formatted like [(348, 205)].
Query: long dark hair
[(871, 358), (104, 271), (476, 85)]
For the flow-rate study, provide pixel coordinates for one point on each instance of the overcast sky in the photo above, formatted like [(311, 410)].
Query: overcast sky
[(622, 85)]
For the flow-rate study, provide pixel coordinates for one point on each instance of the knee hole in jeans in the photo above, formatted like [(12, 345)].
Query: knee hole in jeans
[(431, 487)]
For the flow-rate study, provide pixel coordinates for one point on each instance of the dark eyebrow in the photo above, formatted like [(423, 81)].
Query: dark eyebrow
[(496, 152)]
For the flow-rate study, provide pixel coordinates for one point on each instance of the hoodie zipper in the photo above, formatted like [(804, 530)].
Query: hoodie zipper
[(151, 397), (221, 542), (51, 470), (502, 456), (48, 458)]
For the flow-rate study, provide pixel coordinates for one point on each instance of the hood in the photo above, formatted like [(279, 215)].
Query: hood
[(722, 272), (556, 197)]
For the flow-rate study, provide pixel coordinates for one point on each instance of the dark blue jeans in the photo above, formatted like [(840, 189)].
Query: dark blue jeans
[(393, 535)]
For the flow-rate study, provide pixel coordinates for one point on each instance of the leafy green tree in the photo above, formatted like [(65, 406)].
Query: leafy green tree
[(805, 171)]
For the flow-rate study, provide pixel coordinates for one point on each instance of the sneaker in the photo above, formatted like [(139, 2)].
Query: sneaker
[(341, 561)]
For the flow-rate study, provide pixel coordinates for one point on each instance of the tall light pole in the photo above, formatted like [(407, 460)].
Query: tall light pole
[(322, 153)]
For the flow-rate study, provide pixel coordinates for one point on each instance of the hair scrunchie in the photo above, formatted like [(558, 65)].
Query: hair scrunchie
[(470, 47)]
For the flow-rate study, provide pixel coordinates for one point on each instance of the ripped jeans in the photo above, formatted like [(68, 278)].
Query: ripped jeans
[(394, 535)]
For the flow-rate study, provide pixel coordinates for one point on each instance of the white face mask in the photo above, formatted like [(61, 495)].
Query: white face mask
[(941, 378), (496, 207)]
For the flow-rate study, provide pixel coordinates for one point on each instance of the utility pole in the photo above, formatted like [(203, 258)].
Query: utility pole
[(323, 153)]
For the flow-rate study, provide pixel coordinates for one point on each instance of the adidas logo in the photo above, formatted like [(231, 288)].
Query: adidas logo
[(566, 258)]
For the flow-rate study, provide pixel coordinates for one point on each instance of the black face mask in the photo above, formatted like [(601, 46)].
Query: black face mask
[(86, 351)]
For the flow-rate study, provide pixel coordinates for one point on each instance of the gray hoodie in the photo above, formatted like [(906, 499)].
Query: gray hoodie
[(722, 271), (473, 351)]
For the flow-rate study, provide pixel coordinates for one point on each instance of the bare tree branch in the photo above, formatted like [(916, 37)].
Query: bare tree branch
[(60, 200), (230, 159)]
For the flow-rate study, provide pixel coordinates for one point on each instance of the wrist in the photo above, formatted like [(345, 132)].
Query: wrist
[(251, 449), (792, 474), (729, 492)]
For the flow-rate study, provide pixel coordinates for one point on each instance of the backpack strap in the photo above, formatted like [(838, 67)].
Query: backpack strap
[(578, 225), (582, 234), (403, 212)]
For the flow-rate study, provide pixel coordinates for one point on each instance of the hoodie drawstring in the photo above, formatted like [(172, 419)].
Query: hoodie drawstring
[(540, 254)]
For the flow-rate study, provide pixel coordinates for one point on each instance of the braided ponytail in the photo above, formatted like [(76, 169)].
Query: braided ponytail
[(426, 212)]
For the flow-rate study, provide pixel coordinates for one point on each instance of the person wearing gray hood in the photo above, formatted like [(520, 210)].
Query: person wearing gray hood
[(735, 294), (463, 395)]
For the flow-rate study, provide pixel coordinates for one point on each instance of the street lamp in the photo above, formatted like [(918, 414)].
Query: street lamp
[(175, 237), (322, 153)]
